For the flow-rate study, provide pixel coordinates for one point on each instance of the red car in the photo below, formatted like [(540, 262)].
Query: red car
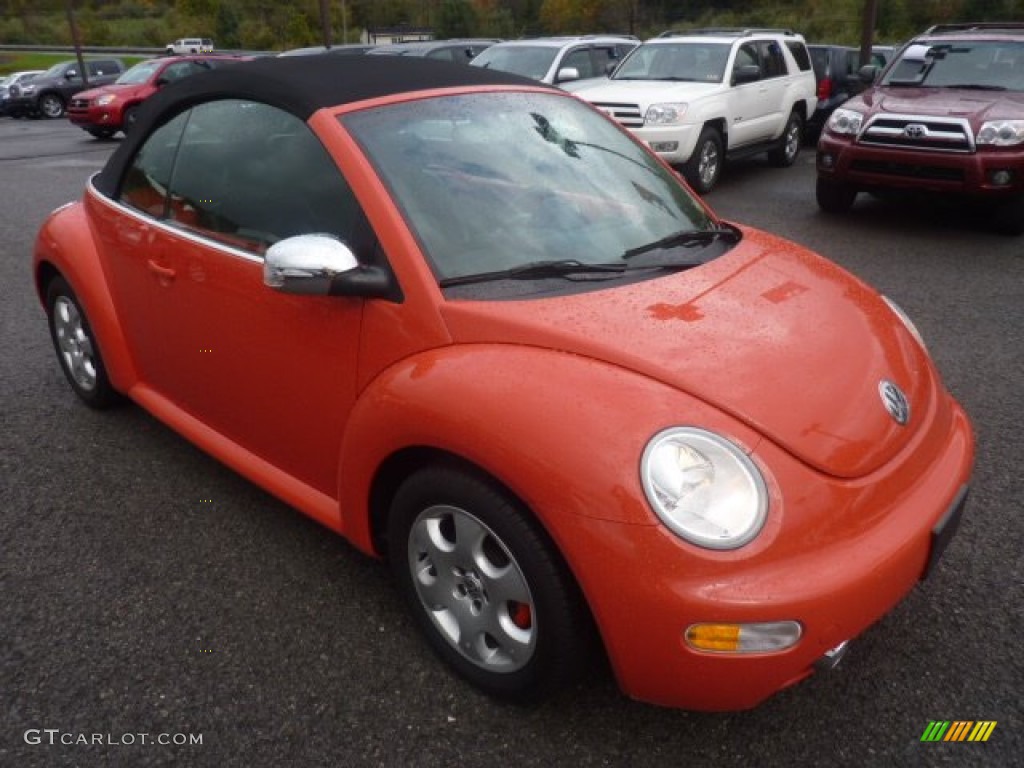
[(467, 322), (104, 111)]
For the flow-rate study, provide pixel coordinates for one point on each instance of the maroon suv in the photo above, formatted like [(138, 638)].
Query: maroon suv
[(946, 116)]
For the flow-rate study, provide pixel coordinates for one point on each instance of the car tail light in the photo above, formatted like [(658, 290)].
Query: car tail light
[(824, 88)]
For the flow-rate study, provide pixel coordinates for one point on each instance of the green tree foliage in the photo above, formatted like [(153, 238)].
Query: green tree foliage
[(273, 24)]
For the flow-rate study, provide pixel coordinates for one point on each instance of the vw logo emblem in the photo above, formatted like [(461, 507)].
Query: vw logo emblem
[(915, 131), (895, 401)]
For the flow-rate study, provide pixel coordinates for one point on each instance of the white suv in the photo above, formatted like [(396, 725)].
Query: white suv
[(558, 60), (187, 45), (700, 96)]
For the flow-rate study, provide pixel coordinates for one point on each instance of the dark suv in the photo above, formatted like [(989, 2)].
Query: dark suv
[(49, 93), (836, 70), (946, 116)]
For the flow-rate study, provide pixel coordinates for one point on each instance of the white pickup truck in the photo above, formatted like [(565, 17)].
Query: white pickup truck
[(189, 45), (703, 95)]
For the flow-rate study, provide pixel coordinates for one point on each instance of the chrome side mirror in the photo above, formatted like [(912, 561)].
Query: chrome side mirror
[(566, 74), (307, 264)]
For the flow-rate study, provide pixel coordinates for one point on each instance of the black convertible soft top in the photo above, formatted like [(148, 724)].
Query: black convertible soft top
[(300, 85)]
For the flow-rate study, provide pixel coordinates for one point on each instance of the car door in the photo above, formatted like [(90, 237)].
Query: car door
[(272, 373)]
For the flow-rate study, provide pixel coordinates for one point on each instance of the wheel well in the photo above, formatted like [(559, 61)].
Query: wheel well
[(44, 275), (804, 112), (720, 125)]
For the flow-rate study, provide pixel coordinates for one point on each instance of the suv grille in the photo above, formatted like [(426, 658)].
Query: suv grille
[(931, 134), (627, 115)]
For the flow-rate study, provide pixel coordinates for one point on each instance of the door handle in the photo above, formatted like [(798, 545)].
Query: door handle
[(165, 274)]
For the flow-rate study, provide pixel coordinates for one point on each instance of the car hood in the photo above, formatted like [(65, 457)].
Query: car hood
[(645, 91), (125, 89), (770, 333), (976, 106)]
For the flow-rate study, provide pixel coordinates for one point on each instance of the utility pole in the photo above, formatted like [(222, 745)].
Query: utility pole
[(76, 40), (325, 22), (868, 31)]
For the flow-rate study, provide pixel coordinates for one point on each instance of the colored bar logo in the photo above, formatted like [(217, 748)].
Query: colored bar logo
[(958, 730)]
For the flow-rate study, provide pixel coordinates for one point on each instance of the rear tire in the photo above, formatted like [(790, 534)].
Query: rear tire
[(786, 153), (704, 167), (834, 196), (76, 347), (486, 585), (51, 106)]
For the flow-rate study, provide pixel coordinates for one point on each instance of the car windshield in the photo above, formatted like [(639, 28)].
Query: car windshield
[(693, 61), (57, 70), (140, 73), (500, 181), (531, 61), (986, 65)]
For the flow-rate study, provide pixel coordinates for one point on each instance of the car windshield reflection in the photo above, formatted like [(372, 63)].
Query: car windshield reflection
[(495, 182)]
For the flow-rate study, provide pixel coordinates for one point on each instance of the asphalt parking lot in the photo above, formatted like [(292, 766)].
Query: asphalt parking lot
[(146, 589)]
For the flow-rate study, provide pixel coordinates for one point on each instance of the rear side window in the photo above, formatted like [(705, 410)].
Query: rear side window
[(145, 185), (800, 55), (773, 63)]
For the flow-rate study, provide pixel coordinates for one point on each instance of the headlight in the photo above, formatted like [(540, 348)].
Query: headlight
[(1001, 133), (845, 121), (105, 99), (28, 90), (704, 488), (905, 319), (664, 114)]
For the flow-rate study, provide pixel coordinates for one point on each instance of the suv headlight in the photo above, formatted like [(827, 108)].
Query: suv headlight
[(665, 114), (28, 90), (1001, 133), (105, 99), (704, 488), (845, 121)]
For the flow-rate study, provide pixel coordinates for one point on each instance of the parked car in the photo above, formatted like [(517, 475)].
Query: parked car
[(461, 51), (700, 96), (469, 323), (558, 60), (104, 111), (335, 50), (187, 45), (836, 68), (14, 78), (946, 117), (48, 94)]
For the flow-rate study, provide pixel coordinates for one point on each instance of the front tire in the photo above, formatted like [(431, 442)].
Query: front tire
[(834, 196), (51, 106), (704, 167), (128, 119), (1008, 218), (76, 347), (100, 133), (485, 584), (786, 153)]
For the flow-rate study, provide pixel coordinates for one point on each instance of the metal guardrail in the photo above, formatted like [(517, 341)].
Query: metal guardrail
[(109, 51)]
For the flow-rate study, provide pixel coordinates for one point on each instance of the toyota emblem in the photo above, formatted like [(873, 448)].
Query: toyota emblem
[(895, 401), (915, 131)]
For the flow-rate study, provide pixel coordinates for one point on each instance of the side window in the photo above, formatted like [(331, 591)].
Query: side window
[(746, 56), (800, 54), (100, 68), (445, 54), (580, 59), (248, 174), (773, 63), (144, 186), (181, 69)]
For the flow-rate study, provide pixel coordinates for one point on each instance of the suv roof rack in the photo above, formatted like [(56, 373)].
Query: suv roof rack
[(727, 31), (983, 26)]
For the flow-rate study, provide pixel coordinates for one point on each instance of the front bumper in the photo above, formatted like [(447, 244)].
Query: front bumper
[(873, 167), (836, 573), (682, 139), (92, 116)]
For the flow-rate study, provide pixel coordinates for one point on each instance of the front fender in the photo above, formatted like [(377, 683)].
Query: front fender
[(564, 433), (65, 245)]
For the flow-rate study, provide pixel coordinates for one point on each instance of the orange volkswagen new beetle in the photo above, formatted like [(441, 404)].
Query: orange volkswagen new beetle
[(470, 324)]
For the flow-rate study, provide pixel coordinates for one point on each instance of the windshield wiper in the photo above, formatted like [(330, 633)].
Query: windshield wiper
[(977, 87), (534, 270), (687, 238)]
